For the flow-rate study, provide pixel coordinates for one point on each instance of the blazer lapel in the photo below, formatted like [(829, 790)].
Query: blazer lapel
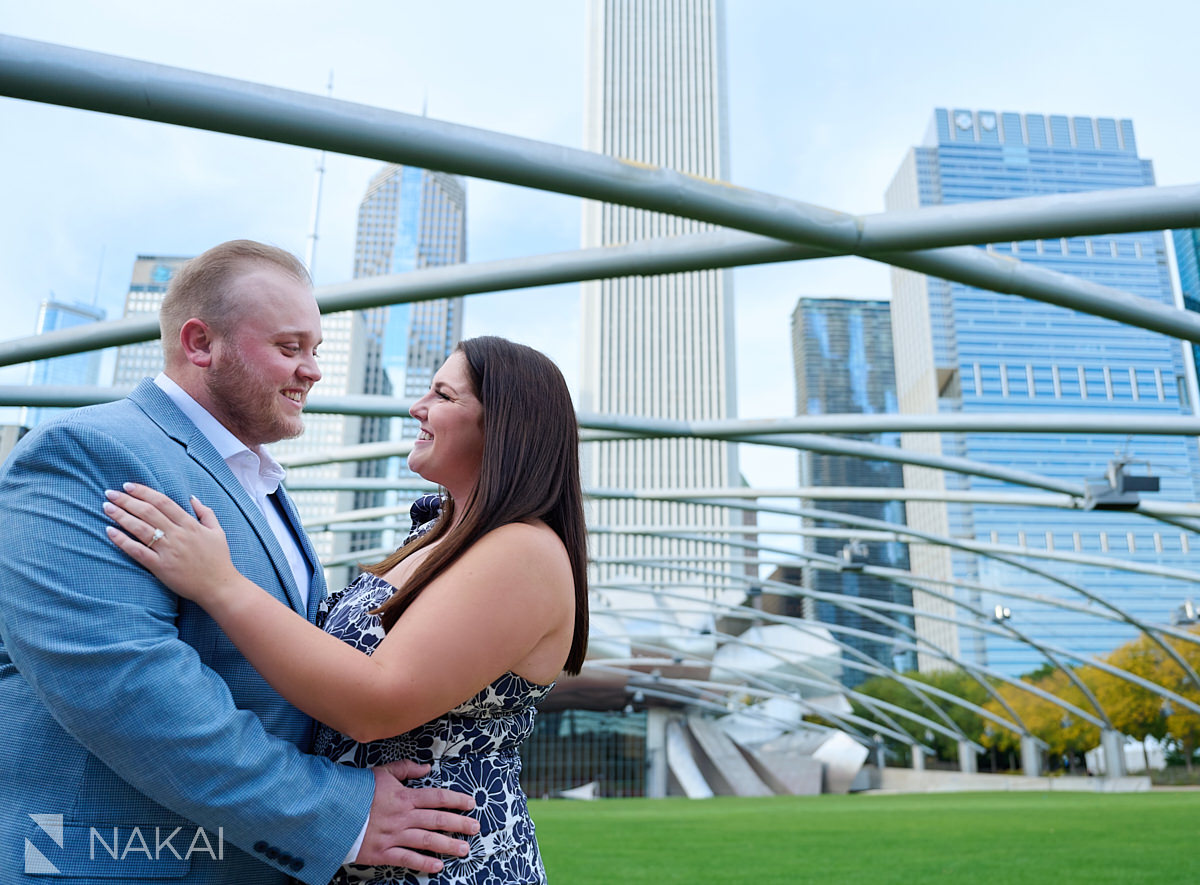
[(317, 587), (158, 406)]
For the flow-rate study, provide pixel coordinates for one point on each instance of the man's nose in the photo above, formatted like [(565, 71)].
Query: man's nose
[(311, 370)]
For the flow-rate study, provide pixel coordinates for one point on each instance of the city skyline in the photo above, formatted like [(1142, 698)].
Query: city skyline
[(818, 113)]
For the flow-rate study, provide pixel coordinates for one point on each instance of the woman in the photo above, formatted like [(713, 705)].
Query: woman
[(438, 653)]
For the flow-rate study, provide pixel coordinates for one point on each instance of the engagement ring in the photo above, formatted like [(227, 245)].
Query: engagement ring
[(158, 535)]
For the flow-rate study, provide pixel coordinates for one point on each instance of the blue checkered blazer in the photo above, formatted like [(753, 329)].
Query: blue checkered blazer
[(138, 743)]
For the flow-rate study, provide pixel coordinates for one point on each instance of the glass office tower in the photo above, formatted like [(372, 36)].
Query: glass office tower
[(1187, 259), (77, 369), (408, 219), (960, 349), (842, 350)]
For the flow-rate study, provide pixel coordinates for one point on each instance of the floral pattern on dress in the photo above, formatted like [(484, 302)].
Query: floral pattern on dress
[(472, 748)]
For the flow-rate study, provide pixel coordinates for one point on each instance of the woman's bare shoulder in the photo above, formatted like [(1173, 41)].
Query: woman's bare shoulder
[(526, 534)]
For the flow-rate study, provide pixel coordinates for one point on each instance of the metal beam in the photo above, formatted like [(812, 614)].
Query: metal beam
[(94, 81)]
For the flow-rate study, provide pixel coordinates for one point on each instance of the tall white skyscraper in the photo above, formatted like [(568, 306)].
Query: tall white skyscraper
[(660, 346)]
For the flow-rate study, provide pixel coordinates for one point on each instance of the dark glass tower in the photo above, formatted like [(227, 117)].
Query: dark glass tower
[(843, 360)]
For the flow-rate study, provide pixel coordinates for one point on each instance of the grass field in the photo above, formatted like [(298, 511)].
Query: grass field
[(1030, 837)]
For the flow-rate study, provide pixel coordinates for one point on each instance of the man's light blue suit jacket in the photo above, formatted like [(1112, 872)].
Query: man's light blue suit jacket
[(124, 709)]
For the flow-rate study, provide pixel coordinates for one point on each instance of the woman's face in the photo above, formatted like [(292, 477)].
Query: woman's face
[(449, 447)]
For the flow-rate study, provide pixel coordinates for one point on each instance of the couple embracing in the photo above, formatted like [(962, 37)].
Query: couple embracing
[(181, 698)]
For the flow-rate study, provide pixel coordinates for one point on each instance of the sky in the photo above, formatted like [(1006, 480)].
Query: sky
[(824, 101)]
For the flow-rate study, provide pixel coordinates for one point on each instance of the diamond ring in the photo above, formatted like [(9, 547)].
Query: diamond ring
[(158, 535)]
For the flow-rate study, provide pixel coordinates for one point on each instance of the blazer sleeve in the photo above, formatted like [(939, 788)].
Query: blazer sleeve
[(97, 637)]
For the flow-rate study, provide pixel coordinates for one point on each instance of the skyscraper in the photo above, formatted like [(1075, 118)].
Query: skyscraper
[(842, 350), (73, 369), (408, 219), (147, 288), (1187, 259), (960, 349), (659, 346), (411, 219)]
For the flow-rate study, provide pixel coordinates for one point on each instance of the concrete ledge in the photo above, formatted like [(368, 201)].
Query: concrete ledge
[(906, 780)]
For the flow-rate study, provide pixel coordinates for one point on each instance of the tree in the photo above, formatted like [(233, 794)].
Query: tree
[(956, 682), (1065, 735)]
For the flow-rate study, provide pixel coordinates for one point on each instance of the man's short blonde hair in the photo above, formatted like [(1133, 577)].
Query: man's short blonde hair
[(202, 288)]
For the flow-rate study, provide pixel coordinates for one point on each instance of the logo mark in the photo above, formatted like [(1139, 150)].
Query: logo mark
[(36, 862)]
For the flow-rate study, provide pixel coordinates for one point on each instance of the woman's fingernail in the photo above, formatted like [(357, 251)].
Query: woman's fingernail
[(127, 486), (109, 507)]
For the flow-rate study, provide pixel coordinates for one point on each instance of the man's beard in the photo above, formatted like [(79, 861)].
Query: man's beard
[(249, 404)]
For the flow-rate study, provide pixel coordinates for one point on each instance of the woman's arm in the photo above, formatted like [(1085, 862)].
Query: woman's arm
[(510, 593)]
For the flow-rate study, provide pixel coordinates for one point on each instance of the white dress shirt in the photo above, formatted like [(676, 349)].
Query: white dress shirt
[(260, 475)]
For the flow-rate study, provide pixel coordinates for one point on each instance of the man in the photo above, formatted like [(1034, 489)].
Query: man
[(139, 743)]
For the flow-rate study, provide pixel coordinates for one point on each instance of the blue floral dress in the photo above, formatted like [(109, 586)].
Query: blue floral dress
[(472, 749)]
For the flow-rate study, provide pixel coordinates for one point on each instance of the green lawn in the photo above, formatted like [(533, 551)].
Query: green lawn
[(947, 837)]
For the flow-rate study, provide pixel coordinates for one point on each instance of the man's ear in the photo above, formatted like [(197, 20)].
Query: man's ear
[(197, 340)]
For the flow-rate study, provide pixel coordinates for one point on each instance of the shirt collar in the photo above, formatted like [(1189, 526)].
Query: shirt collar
[(270, 473)]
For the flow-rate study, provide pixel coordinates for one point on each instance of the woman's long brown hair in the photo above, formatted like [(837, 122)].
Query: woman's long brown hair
[(530, 470)]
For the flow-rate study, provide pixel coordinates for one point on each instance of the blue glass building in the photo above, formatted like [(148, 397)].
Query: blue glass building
[(842, 350), (73, 370), (1187, 259), (960, 349), (408, 219), (411, 219)]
